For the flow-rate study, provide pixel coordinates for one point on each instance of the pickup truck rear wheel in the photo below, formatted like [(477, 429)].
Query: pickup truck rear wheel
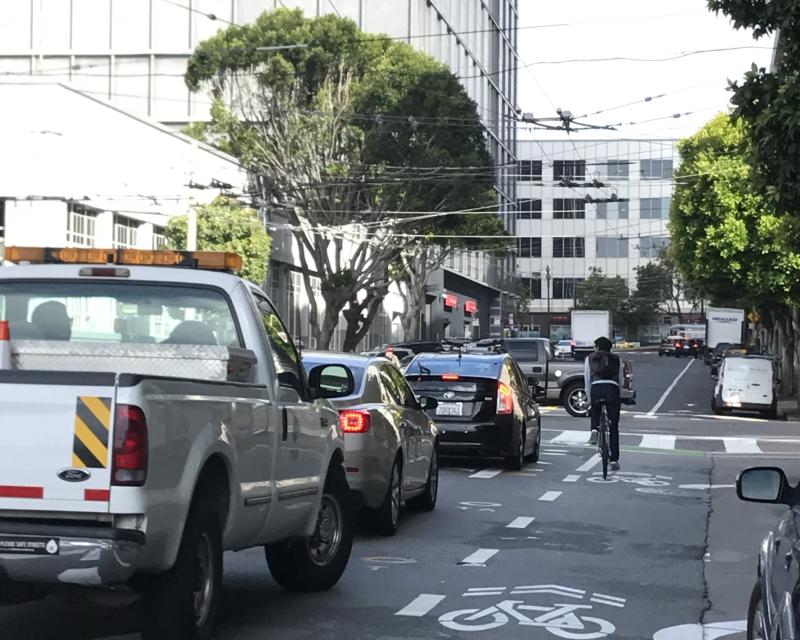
[(182, 604), (317, 563)]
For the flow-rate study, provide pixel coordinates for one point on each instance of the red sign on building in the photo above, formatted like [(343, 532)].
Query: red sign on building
[(450, 301), (470, 306)]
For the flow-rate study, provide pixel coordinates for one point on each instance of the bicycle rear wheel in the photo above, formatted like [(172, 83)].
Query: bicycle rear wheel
[(603, 442)]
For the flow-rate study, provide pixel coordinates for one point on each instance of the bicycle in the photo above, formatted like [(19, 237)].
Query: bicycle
[(560, 620), (603, 443)]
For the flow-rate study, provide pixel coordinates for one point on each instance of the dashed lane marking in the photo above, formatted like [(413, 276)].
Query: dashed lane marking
[(572, 437), (572, 478), (520, 522), (550, 496), (421, 605), (553, 453), (741, 445), (658, 442), (590, 464), (487, 473), (479, 558)]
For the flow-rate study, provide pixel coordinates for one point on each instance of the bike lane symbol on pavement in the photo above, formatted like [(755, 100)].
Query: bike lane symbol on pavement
[(537, 606), (631, 477)]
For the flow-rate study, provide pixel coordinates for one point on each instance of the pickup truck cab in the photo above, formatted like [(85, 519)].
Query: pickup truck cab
[(154, 417), (561, 380)]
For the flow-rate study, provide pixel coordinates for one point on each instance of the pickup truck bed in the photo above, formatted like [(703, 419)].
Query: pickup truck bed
[(165, 420)]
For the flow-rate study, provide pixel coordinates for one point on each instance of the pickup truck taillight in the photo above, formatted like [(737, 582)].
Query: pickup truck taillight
[(355, 421), (505, 402), (129, 461)]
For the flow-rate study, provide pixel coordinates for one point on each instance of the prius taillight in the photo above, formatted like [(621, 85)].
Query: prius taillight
[(129, 461), (505, 401)]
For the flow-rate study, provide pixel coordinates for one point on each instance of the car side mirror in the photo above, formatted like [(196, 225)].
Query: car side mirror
[(331, 381), (764, 484), (427, 403)]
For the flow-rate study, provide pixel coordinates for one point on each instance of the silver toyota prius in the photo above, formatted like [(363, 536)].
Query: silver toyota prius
[(390, 442)]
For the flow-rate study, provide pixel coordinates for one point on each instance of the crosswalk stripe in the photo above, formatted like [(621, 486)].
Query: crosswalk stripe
[(741, 445), (572, 437), (487, 473), (658, 442)]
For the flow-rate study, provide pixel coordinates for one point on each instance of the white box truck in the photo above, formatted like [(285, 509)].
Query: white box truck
[(724, 325), (587, 326)]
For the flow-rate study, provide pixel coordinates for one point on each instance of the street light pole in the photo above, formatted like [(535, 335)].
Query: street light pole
[(547, 278)]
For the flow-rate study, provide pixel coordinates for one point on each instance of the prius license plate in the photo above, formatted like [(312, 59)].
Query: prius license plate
[(449, 408)]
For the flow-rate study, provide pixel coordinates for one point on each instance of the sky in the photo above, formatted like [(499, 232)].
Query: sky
[(630, 28)]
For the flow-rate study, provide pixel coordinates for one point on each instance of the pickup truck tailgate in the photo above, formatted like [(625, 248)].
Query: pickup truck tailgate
[(55, 440)]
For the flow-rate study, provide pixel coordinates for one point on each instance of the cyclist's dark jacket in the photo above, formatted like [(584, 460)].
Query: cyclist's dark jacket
[(590, 377)]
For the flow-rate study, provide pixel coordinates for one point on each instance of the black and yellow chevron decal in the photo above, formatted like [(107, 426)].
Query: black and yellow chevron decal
[(92, 425)]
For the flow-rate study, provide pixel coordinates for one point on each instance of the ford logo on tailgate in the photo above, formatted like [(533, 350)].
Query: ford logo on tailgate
[(74, 475)]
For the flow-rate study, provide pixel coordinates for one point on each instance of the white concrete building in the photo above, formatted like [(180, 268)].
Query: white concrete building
[(585, 204), (134, 54), (77, 171)]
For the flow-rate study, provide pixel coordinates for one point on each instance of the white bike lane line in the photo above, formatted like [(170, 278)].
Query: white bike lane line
[(550, 496), (665, 395), (479, 558), (521, 522)]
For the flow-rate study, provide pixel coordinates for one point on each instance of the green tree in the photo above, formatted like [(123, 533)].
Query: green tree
[(727, 241), (661, 287), (600, 291), (769, 100), (226, 225), (351, 135)]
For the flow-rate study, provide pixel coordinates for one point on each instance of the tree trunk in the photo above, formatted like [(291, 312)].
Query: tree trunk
[(358, 324)]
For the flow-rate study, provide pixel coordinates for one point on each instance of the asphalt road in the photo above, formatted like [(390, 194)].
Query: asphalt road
[(551, 551)]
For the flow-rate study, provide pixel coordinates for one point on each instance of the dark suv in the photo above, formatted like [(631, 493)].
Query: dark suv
[(484, 404), (774, 607)]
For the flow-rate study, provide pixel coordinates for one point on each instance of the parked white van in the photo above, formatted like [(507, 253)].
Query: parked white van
[(747, 383)]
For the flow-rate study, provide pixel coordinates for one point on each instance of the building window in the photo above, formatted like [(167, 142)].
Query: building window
[(529, 247), (565, 288), (533, 286), (530, 170), (81, 225), (529, 209), (615, 169), (612, 247), (569, 208), (616, 210), (654, 208), (653, 246), (159, 239), (569, 248), (656, 169), (569, 170), (126, 232)]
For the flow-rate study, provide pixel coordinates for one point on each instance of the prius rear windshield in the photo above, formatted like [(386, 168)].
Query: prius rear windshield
[(118, 312), (468, 366)]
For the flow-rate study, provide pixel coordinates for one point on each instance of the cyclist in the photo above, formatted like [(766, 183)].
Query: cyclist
[(601, 380)]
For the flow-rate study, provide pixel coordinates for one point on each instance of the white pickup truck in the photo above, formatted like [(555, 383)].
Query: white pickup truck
[(152, 418)]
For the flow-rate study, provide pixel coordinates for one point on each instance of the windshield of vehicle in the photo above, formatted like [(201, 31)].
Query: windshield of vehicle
[(118, 312), (309, 362), (473, 366)]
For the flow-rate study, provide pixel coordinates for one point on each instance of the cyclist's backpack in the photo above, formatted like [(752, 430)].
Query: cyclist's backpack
[(604, 366)]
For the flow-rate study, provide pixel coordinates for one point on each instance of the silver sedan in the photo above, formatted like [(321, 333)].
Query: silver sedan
[(390, 442)]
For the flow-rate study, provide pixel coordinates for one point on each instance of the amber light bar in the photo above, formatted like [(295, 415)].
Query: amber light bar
[(211, 260)]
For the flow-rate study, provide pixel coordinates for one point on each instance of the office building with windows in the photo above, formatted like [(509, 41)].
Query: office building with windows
[(133, 53), (587, 204)]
